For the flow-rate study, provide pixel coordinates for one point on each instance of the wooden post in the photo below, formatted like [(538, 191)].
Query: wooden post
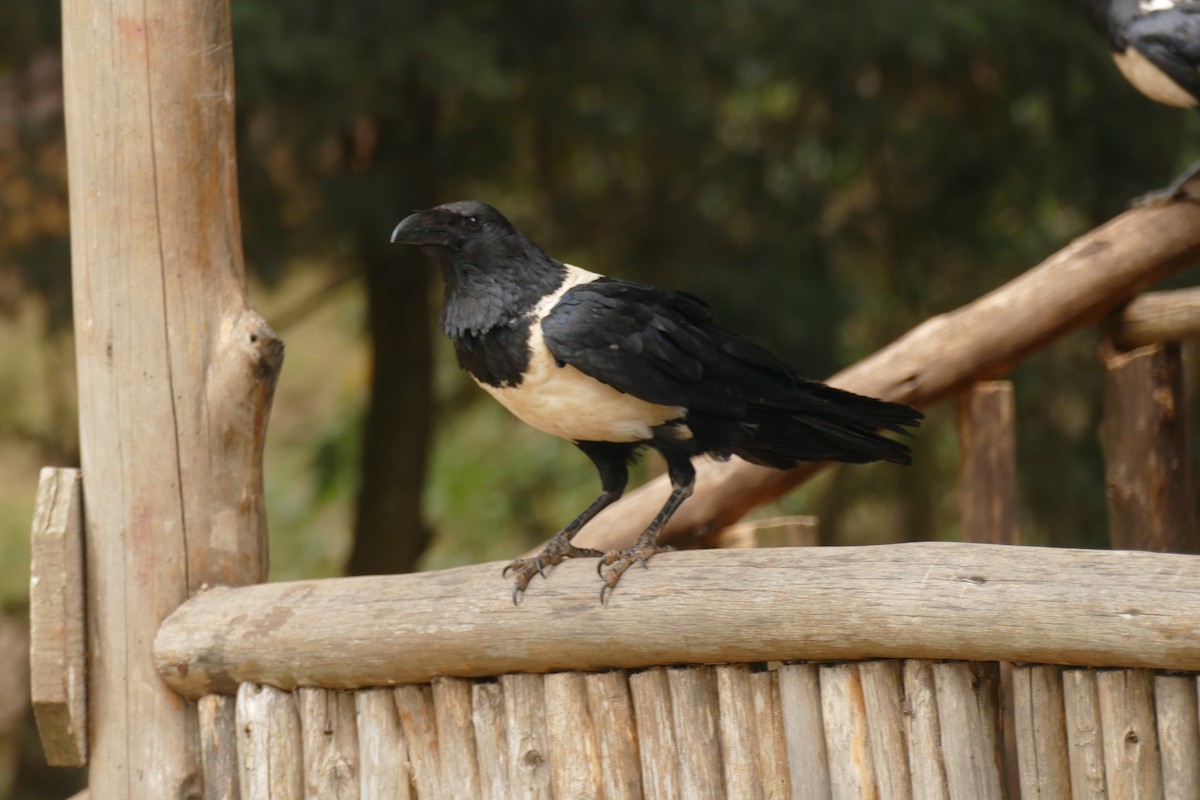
[(987, 485), (1148, 467), (176, 371)]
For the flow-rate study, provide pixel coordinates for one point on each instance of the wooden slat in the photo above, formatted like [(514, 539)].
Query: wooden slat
[(969, 718), (987, 483), (847, 738), (528, 744), (218, 747), (1131, 761), (772, 744), (491, 740), (1148, 467), (924, 732), (804, 730), (694, 714), (934, 599), (382, 753), (1084, 735), (270, 753), (456, 736), (57, 634), (571, 738), (1041, 732), (883, 699), (611, 709), (739, 733), (414, 704), (650, 692), (1071, 289), (329, 731), (1178, 734)]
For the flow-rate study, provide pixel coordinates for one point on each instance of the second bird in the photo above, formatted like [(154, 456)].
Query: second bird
[(615, 366)]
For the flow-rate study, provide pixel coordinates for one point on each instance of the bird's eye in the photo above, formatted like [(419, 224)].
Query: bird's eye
[(473, 223)]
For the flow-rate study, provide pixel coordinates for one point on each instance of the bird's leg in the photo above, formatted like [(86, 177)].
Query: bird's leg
[(1182, 188), (612, 462), (615, 562)]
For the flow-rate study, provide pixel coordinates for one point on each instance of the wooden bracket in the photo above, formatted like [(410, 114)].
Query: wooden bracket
[(58, 647)]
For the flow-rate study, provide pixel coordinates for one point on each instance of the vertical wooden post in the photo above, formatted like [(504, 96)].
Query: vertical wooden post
[(176, 371), (1147, 463), (987, 488)]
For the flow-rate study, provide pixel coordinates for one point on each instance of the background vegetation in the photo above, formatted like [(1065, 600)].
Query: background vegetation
[(828, 175)]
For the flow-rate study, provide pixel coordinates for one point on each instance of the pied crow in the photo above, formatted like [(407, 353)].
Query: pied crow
[(615, 366), (1156, 44)]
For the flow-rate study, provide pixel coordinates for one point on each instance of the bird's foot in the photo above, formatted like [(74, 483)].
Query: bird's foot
[(556, 551), (615, 562)]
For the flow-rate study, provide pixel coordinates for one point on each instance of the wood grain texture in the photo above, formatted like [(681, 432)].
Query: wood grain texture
[(528, 742), (926, 600), (459, 768), (1147, 463), (804, 730), (1043, 767), (1084, 735), (571, 738), (737, 724), (969, 718), (694, 715), (987, 479), (57, 626), (491, 740), (924, 732), (772, 744), (1154, 317), (883, 699), (175, 370), (329, 731), (611, 709), (1178, 734), (414, 704), (218, 747), (1132, 765), (382, 753), (847, 738), (270, 753), (651, 695), (1074, 288)]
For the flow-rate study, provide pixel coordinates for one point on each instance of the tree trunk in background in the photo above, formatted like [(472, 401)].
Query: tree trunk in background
[(389, 532)]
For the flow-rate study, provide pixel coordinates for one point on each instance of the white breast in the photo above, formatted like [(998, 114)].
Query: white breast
[(567, 403), (1151, 81)]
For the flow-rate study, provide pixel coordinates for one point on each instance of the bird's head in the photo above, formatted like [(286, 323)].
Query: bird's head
[(466, 228)]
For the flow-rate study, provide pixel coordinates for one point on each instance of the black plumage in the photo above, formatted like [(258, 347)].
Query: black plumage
[(1156, 45), (615, 366)]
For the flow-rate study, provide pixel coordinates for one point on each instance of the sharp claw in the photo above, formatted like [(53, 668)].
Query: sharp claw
[(605, 590), (504, 572), (537, 562), (516, 595)]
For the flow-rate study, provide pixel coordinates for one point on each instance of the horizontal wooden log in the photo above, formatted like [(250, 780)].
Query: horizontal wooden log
[(1156, 317), (922, 600), (1074, 288)]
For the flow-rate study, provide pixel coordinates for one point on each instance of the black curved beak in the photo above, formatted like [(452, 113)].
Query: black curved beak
[(411, 230)]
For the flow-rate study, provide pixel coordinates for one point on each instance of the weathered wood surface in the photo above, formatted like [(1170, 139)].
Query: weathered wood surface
[(329, 733), (175, 370), (491, 740), (847, 738), (738, 727), (924, 732), (1178, 734), (987, 478), (969, 719), (651, 696), (1085, 746), (1071, 289), (270, 750), (611, 709), (218, 747), (883, 698), (804, 730), (382, 752), (1132, 765), (772, 745), (695, 711), (1041, 732), (456, 736), (528, 742), (57, 633), (926, 600), (414, 705), (574, 758), (1148, 465), (1155, 317)]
